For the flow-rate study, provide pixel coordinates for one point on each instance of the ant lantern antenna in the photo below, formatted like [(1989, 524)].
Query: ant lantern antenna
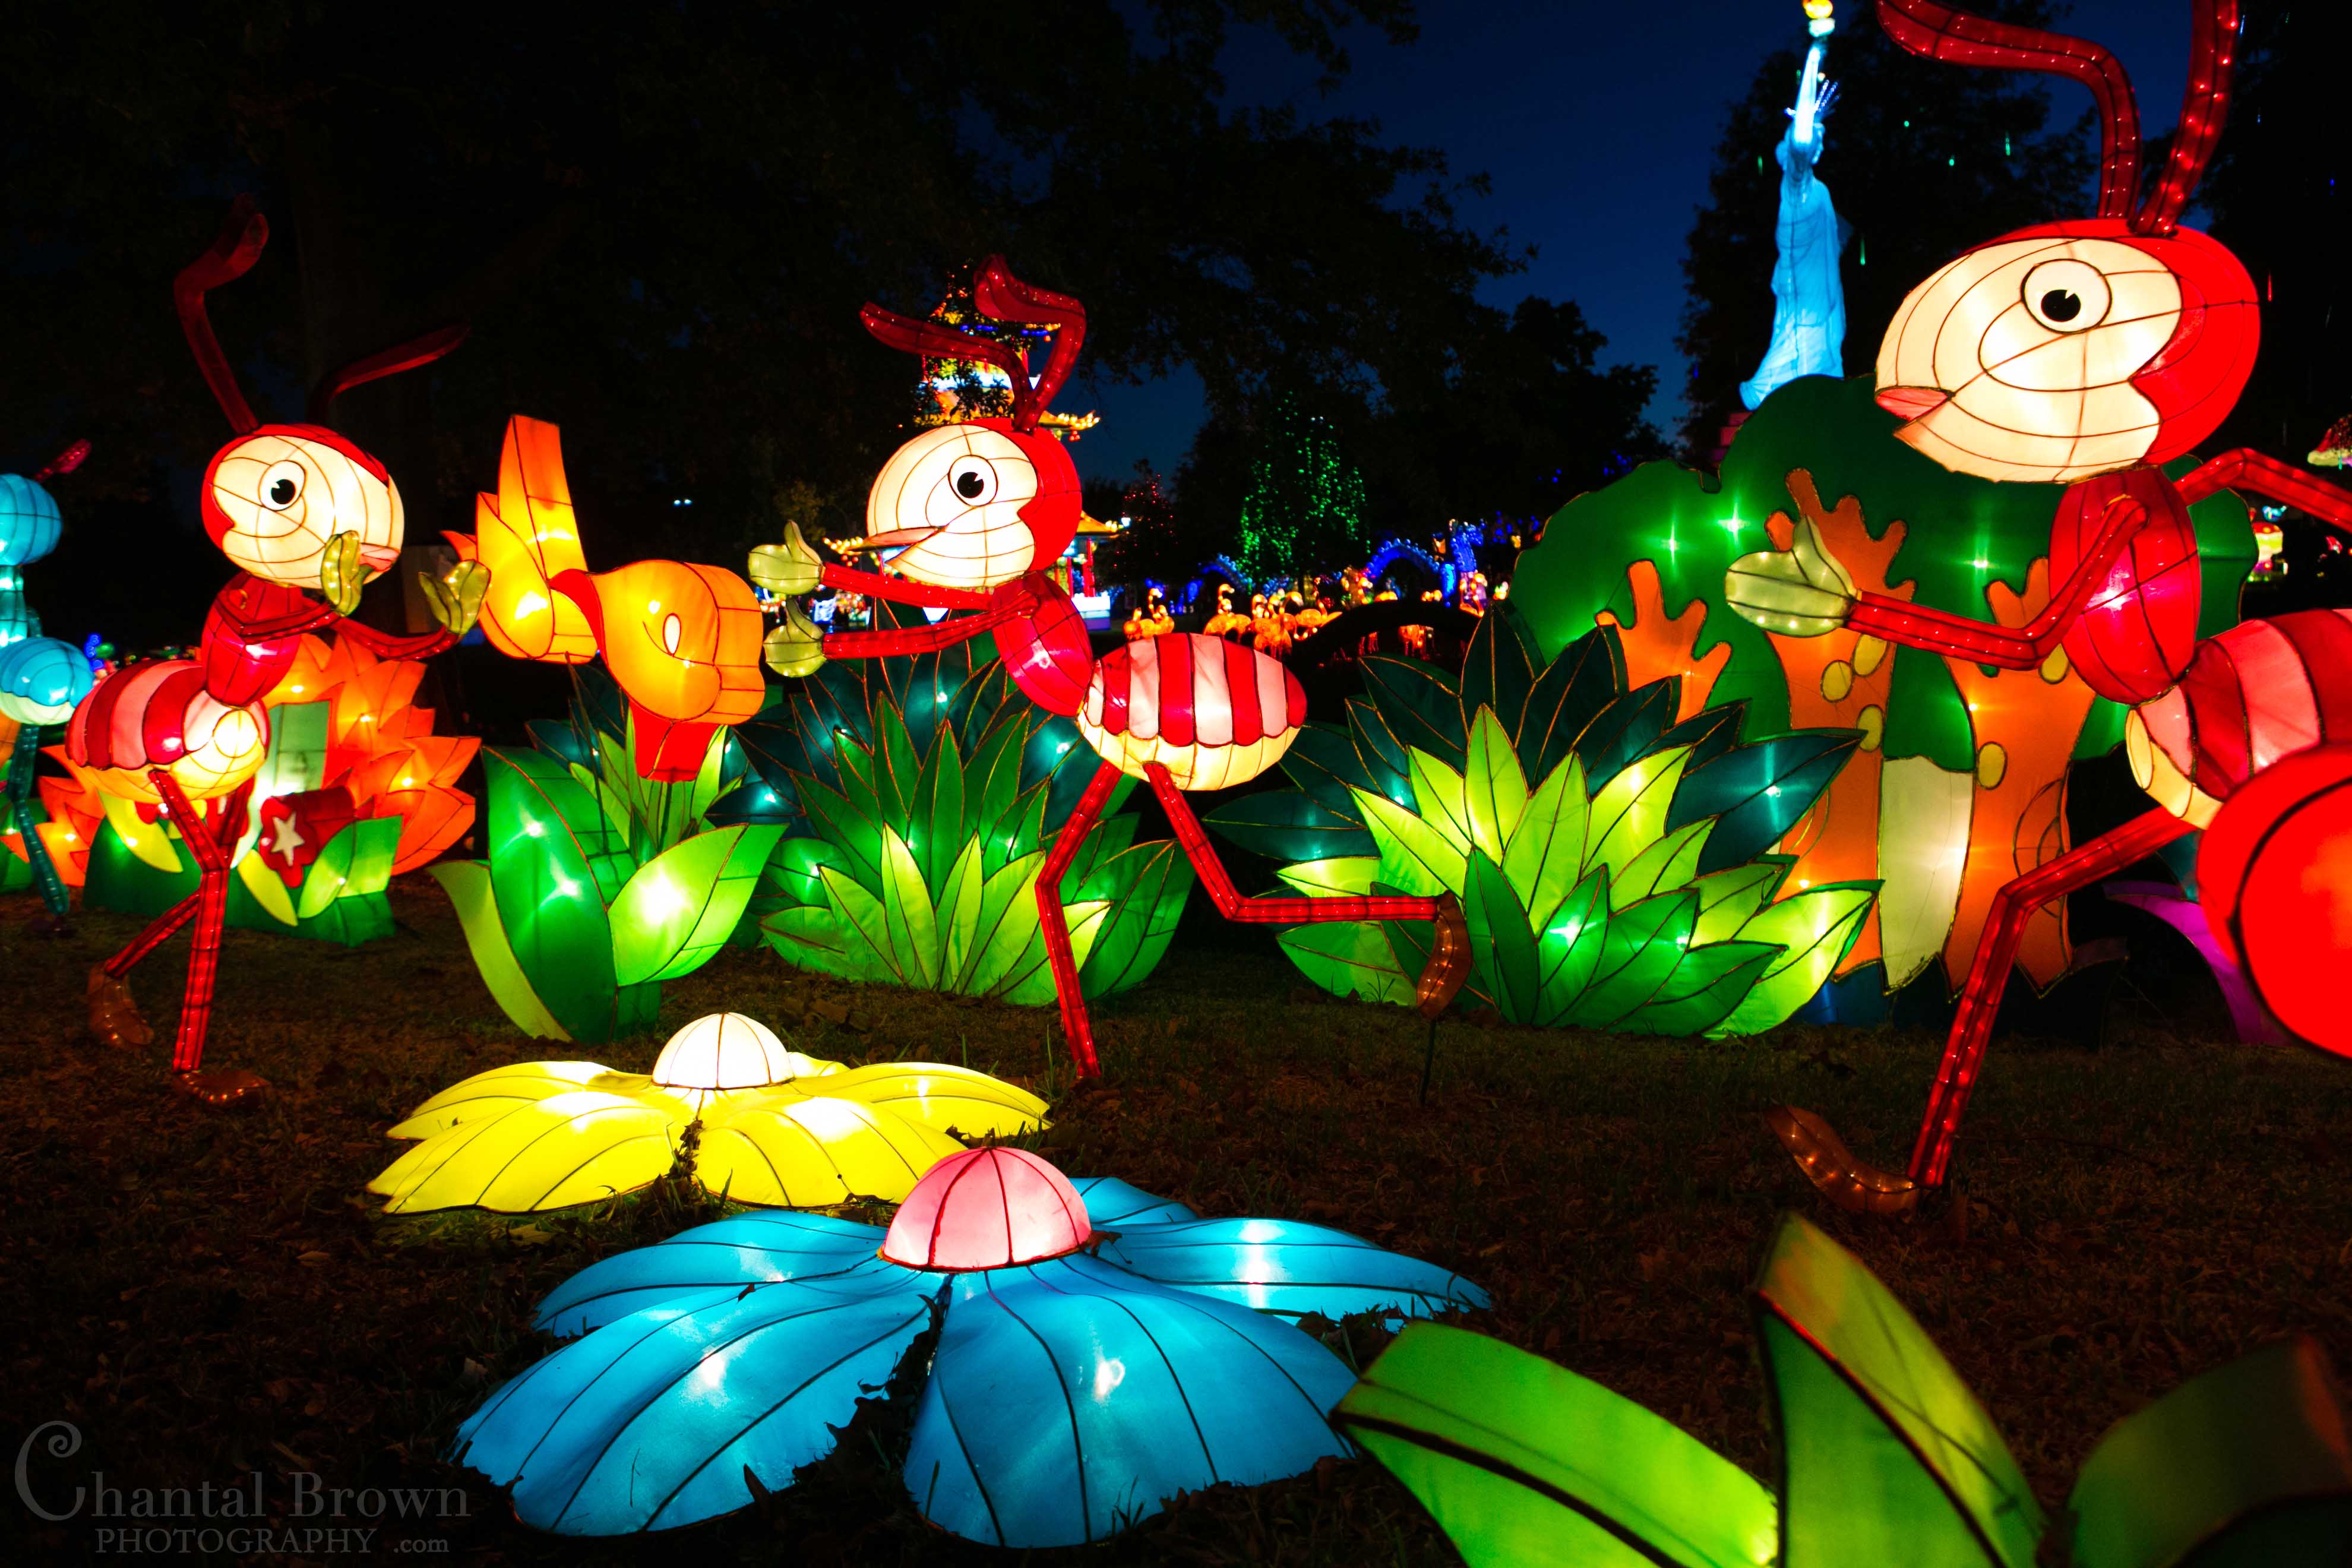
[(2204, 106), (1002, 297), (231, 257), (418, 350), (64, 462), (1946, 33)]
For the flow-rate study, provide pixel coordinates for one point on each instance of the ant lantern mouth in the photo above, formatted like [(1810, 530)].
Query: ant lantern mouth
[(379, 557), (898, 537), (1912, 401)]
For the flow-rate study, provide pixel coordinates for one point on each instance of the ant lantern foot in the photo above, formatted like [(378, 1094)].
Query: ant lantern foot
[(220, 1085), (114, 1017)]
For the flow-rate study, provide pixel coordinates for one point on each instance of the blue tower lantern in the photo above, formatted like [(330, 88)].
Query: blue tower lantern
[(29, 522), (30, 526), (43, 681)]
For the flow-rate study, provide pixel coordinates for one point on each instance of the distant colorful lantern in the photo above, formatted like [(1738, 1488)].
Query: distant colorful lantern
[(1099, 1351)]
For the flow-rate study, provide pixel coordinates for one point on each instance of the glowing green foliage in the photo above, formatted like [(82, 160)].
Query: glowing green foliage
[(1886, 1455), (923, 869), (599, 884), (1626, 885)]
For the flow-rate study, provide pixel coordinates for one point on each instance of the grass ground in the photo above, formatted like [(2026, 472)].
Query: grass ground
[(208, 1294)]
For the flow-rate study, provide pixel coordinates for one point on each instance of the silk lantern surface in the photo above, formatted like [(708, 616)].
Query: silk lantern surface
[(1885, 1455), (276, 499), (30, 527), (775, 1126), (2276, 874), (682, 641), (1068, 1398)]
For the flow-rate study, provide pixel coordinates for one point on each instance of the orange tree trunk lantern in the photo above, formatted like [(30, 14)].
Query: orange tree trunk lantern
[(977, 513), (308, 518), (2087, 352)]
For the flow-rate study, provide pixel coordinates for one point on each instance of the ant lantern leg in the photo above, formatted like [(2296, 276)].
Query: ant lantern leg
[(1440, 981), (1074, 1022), (2004, 930), (212, 850)]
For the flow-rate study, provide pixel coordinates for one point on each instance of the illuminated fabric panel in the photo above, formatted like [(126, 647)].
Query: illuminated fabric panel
[(2136, 627), (988, 1208), (2276, 875), (273, 501), (1212, 712), (526, 535), (2022, 353), (683, 639), (950, 502), (1066, 1398), (157, 714)]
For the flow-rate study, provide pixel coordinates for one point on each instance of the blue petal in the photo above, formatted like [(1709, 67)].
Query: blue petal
[(1289, 1268), (650, 1422), (1112, 1204), (1066, 1403), (750, 1249)]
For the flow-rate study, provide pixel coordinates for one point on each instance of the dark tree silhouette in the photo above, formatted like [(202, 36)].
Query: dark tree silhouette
[(661, 221), (1924, 160)]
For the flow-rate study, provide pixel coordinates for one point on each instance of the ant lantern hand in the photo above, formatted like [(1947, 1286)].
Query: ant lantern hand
[(1799, 592), (795, 648), (455, 599), (790, 568), (342, 573)]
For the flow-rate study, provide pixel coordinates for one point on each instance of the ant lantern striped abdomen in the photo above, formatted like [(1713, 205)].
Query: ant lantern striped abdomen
[(2087, 353), (974, 514), (308, 518)]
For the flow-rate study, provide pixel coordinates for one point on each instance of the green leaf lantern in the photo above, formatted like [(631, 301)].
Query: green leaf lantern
[(920, 793), (600, 884), (1886, 1455), (1614, 864)]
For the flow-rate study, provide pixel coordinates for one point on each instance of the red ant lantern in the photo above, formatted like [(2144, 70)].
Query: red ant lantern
[(299, 511), (976, 511), (2086, 353)]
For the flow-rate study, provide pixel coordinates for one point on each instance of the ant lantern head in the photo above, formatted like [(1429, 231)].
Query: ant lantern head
[(2080, 348), (982, 501), (278, 494)]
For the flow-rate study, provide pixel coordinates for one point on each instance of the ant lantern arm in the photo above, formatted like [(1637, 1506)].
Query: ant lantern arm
[(2260, 474), (393, 645), (903, 591), (891, 642), (2023, 648), (308, 615)]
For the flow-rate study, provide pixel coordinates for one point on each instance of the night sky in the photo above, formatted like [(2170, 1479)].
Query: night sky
[(1597, 126)]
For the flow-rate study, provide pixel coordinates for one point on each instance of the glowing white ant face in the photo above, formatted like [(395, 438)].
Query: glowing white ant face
[(274, 498), (2016, 360), (949, 501)]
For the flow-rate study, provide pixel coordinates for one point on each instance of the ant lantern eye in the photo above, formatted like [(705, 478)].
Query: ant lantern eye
[(281, 485), (973, 480), (2067, 296)]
